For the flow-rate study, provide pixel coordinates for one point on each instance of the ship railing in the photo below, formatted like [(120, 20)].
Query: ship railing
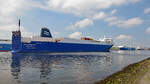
[(7, 41), (29, 39)]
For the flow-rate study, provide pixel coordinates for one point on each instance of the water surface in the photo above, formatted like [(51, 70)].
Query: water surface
[(64, 68)]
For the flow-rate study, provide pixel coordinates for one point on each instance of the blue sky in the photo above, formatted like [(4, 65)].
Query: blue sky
[(126, 21)]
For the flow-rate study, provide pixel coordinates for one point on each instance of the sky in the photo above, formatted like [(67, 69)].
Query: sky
[(127, 22)]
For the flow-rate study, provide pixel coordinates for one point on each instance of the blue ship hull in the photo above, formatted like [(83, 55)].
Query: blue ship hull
[(43, 46), (61, 47), (5, 47), (127, 48)]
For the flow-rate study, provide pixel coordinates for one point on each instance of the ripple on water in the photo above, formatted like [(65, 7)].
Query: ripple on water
[(64, 68)]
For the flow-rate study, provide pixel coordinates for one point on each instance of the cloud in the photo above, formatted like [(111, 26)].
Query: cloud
[(147, 10), (111, 19), (84, 7), (10, 11), (75, 35), (131, 22), (8, 28), (100, 15), (5, 31), (123, 37), (91, 9), (113, 11), (81, 24), (148, 30), (87, 21)]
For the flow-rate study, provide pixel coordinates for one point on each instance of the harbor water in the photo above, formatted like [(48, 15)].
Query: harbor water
[(64, 68)]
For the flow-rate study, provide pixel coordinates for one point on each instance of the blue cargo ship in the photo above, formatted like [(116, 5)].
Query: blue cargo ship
[(126, 48), (46, 43), (5, 45)]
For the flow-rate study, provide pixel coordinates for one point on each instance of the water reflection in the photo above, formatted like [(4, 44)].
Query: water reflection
[(59, 68), (64, 68)]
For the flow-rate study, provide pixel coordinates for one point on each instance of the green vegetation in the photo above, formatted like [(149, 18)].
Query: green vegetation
[(130, 74), (114, 48), (145, 79)]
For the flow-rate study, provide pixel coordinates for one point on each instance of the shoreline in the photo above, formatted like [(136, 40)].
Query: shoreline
[(131, 74)]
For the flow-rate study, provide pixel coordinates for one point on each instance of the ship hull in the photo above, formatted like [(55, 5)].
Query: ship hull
[(48, 44), (127, 48), (36, 46), (5, 47)]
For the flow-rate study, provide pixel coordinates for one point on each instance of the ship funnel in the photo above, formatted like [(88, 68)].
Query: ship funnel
[(45, 32)]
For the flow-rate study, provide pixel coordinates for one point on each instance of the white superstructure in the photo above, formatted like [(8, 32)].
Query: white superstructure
[(66, 40)]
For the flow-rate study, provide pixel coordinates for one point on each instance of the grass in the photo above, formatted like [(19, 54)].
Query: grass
[(114, 48), (145, 79), (130, 74)]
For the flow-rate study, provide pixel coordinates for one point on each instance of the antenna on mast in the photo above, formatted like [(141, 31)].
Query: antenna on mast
[(19, 24)]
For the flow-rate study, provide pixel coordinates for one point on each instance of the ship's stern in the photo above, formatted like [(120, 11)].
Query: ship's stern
[(16, 41)]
